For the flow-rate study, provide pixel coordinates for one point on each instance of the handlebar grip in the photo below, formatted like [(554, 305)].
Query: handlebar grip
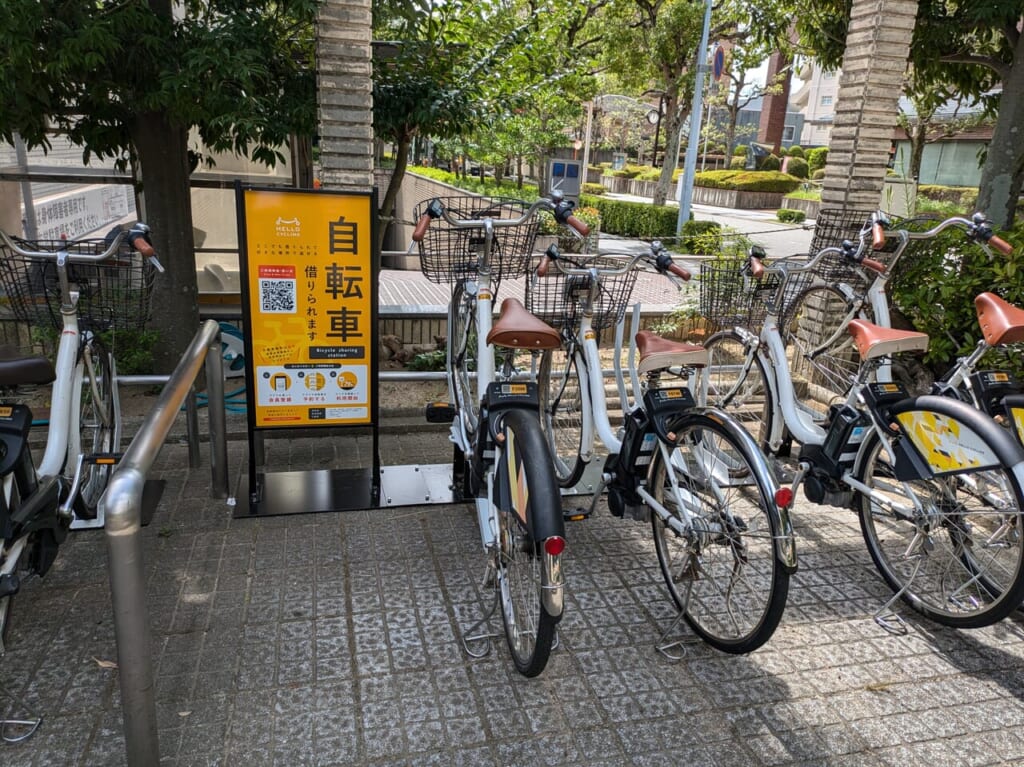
[(543, 266), (877, 236), (873, 264), (138, 241), (421, 228), (756, 268), (679, 272), (1001, 245), (578, 225)]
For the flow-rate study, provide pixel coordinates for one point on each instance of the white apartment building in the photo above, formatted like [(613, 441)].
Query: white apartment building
[(815, 98)]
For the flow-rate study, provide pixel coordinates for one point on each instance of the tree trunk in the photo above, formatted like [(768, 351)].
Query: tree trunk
[(387, 205), (676, 117), (302, 161), (1000, 182), (163, 172), (917, 141)]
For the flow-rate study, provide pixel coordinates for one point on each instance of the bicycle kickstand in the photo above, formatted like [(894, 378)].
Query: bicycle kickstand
[(480, 632), (17, 730)]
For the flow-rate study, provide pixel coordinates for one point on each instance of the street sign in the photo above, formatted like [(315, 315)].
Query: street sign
[(718, 63)]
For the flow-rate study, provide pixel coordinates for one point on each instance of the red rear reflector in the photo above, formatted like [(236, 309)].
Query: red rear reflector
[(554, 545), (784, 497)]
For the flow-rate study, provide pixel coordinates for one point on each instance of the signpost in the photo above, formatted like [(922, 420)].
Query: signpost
[(309, 306)]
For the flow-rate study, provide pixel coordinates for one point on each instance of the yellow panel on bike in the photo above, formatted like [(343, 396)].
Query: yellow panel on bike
[(1017, 414), (6, 412), (945, 444)]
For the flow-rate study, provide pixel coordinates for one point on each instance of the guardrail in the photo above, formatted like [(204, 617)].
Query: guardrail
[(121, 507)]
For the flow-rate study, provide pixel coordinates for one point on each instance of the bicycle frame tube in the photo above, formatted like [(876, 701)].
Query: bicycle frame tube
[(597, 408), (64, 392), (782, 391)]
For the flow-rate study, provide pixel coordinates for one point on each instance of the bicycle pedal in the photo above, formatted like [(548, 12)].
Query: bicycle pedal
[(575, 515), (440, 412), (103, 459)]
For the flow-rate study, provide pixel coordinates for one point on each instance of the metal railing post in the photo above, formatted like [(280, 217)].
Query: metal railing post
[(121, 506), (217, 414)]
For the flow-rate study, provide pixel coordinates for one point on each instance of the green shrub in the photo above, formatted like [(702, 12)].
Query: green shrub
[(797, 151), (817, 175), (816, 158), (701, 237), (506, 188), (593, 189), (737, 163), (934, 287), (634, 219), (790, 215), (964, 197), (740, 149), (433, 361), (771, 162), (649, 175), (797, 166), (748, 180)]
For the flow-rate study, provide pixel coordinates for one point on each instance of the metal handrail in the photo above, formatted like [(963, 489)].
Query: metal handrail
[(121, 507)]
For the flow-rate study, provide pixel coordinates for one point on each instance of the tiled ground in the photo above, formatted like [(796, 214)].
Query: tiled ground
[(334, 639)]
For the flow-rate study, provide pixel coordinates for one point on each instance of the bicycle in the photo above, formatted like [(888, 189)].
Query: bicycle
[(935, 482), (81, 288), (500, 458), (720, 524)]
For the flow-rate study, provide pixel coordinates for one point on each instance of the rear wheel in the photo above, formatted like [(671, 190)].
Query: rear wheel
[(528, 577), (953, 546), (736, 383), (717, 549), (561, 413), (99, 424)]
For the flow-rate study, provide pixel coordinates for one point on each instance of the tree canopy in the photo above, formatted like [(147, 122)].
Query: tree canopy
[(128, 80), (959, 48)]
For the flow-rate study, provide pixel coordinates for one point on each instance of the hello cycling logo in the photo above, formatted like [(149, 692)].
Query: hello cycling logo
[(288, 227)]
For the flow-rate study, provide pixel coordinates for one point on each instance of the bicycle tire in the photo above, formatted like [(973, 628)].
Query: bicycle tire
[(970, 579), (724, 573), (98, 425), (461, 361), (529, 627), (561, 413), (823, 357), (744, 398)]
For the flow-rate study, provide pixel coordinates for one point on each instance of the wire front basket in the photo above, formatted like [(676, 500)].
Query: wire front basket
[(448, 254), (831, 227), (113, 294), (556, 297), (728, 299)]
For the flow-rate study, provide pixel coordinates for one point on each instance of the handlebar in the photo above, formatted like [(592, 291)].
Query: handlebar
[(559, 207), (658, 256), (137, 237)]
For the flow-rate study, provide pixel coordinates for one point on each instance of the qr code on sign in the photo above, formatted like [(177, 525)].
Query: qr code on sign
[(277, 296)]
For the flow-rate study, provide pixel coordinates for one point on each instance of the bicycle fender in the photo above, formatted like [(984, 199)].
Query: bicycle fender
[(785, 542), (951, 437)]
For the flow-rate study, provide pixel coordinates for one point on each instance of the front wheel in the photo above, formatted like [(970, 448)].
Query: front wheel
[(951, 546), (99, 424), (561, 413), (529, 572), (717, 548), (735, 381)]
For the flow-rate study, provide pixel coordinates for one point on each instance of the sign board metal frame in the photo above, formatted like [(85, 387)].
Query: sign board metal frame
[(565, 176), (310, 266)]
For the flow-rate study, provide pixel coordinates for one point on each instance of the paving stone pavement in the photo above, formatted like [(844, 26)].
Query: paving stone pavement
[(334, 639)]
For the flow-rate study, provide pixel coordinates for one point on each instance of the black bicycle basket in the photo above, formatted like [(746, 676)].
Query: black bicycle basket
[(449, 254), (113, 294)]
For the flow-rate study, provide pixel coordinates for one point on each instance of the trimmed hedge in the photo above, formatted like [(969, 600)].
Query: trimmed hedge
[(816, 158), (701, 237), (771, 162), (748, 180), (790, 215), (961, 196), (634, 219), (593, 189), (797, 166), (797, 151)]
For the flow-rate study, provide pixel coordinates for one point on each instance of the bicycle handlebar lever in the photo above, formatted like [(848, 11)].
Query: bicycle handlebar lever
[(562, 212), (755, 261), (138, 238), (980, 230)]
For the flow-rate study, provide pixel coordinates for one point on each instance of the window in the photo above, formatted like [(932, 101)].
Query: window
[(826, 101), (787, 133), (827, 75)]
